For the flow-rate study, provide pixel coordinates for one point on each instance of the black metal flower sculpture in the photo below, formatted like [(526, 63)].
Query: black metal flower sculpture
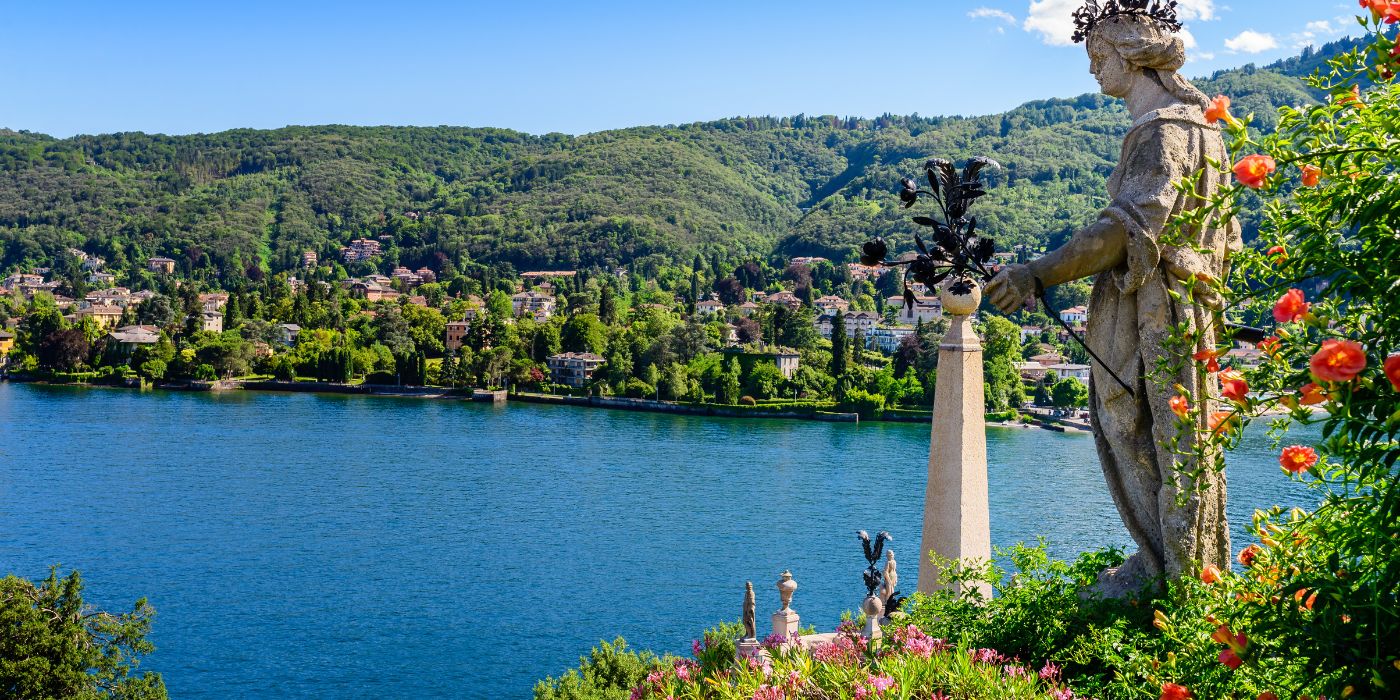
[(956, 251), (873, 576)]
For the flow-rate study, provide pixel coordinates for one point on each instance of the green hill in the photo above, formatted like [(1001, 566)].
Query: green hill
[(249, 202)]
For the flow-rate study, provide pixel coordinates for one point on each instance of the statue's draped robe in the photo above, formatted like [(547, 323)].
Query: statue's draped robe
[(1130, 316)]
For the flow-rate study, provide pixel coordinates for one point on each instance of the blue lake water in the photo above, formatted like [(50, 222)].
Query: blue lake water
[(300, 546)]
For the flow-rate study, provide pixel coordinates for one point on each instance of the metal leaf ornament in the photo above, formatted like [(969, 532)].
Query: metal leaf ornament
[(951, 248)]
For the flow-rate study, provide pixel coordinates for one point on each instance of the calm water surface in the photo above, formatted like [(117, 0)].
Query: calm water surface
[(329, 546)]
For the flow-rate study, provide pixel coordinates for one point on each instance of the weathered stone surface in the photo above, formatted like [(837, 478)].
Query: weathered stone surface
[(1140, 262), (956, 523), (748, 615)]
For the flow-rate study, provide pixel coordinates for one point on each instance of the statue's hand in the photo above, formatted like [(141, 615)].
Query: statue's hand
[(1189, 267), (1011, 287)]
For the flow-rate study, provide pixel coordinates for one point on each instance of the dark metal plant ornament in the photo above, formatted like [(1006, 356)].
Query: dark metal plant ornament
[(873, 576), (1092, 14), (956, 251)]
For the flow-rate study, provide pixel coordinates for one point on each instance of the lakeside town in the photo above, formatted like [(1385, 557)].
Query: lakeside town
[(808, 333)]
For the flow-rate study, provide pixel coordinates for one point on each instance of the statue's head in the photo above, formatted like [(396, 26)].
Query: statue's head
[(1132, 41), (1121, 47)]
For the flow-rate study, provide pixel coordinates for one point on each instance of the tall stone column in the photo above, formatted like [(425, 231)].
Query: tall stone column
[(955, 501)]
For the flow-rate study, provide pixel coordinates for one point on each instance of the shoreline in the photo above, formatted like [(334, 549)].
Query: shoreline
[(502, 397)]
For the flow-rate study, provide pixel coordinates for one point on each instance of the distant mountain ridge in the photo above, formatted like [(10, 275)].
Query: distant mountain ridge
[(249, 202)]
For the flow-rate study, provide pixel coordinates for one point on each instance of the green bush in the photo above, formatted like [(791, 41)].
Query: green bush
[(72, 377), (609, 672), (868, 405), (382, 378), (638, 389)]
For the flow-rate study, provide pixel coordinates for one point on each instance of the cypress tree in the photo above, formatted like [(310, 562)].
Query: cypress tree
[(607, 306), (838, 344)]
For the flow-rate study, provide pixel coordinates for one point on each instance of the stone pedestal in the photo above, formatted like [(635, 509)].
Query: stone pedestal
[(874, 610), (785, 622), (747, 647), (955, 501)]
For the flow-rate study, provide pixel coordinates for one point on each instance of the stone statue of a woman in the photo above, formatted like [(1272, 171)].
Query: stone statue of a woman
[(1136, 57)]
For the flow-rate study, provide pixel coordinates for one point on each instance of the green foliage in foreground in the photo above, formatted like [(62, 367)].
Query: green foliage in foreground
[(907, 664), (53, 646), (609, 671)]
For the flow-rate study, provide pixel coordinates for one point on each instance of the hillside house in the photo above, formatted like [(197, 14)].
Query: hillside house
[(1063, 370), (104, 315), (539, 306), (709, 307), (573, 368), (925, 309), (831, 304), (456, 335), (1075, 315), (127, 338), (887, 338), (288, 333)]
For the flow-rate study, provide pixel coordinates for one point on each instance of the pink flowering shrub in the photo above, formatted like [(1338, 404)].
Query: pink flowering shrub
[(906, 663)]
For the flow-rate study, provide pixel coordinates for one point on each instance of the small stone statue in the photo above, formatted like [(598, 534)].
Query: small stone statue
[(888, 594), (750, 612)]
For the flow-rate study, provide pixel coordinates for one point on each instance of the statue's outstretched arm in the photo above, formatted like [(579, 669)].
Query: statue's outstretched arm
[(1095, 248)]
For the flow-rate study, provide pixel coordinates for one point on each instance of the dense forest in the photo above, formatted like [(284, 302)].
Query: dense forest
[(240, 204)]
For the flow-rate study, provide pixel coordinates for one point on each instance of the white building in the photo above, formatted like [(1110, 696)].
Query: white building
[(864, 321), (709, 307), (540, 306), (831, 304), (888, 338), (925, 308), (1075, 315), (1080, 372)]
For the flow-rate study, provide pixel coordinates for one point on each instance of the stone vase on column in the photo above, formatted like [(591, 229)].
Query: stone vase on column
[(955, 501), (786, 619)]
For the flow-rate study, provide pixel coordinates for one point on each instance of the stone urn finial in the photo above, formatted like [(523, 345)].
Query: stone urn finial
[(786, 587), (960, 304)]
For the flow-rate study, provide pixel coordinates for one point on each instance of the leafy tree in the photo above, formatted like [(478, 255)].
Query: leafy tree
[(1069, 393), (64, 350), (729, 290), (728, 390), (764, 380), (447, 372), (158, 312), (838, 344), (1001, 350), (153, 369), (675, 383), (748, 331), (584, 333), (498, 304), (55, 646), (607, 305), (794, 328)]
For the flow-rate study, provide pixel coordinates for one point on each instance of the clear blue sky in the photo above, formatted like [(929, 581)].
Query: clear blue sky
[(98, 67)]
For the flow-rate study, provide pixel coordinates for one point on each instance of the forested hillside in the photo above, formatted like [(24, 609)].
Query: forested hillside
[(245, 203)]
